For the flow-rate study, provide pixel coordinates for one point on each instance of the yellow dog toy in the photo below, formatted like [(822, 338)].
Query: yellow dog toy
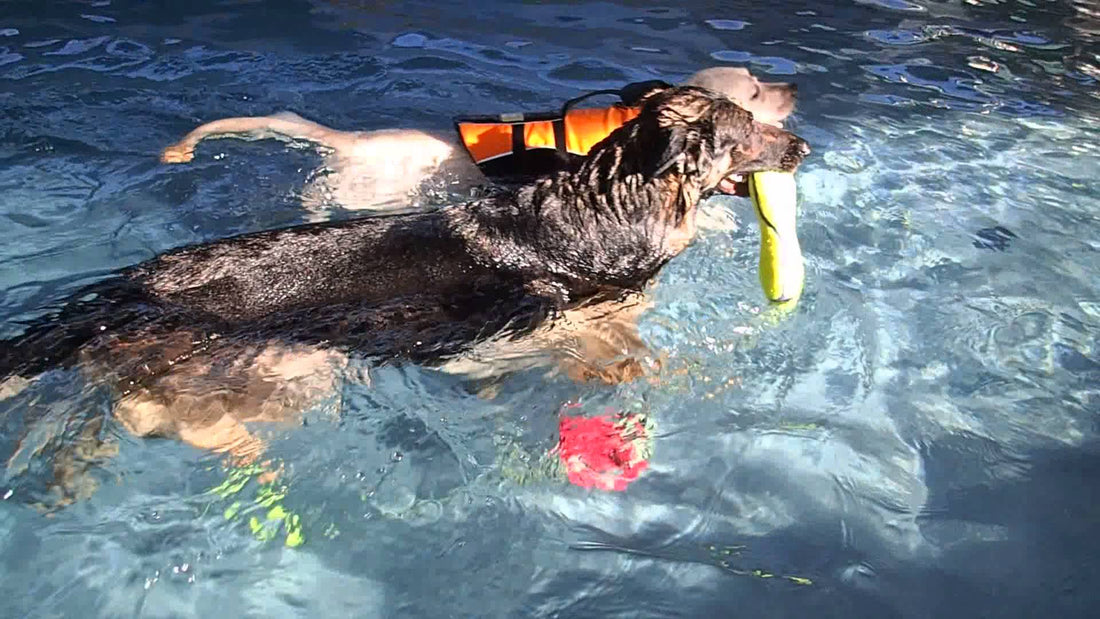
[(774, 198)]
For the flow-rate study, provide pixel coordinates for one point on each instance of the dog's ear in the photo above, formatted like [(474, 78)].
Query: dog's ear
[(676, 144), (680, 118)]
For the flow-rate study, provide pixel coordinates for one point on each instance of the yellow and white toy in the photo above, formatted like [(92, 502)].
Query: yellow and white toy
[(774, 198)]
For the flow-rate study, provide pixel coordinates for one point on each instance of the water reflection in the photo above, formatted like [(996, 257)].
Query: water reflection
[(918, 440)]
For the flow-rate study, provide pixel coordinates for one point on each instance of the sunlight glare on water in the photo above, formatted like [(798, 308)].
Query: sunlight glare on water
[(918, 439)]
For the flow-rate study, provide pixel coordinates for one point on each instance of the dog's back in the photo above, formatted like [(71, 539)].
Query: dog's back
[(383, 286)]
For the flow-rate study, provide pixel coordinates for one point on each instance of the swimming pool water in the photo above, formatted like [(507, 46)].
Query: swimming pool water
[(918, 439)]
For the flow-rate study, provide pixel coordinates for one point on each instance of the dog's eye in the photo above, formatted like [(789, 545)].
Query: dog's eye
[(756, 93)]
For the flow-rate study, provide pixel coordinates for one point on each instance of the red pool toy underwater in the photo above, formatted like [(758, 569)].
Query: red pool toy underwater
[(606, 452)]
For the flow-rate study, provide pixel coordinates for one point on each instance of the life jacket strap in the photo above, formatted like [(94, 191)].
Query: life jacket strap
[(519, 146), (559, 134)]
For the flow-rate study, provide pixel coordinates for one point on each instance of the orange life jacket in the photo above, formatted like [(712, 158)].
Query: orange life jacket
[(524, 145), (575, 131)]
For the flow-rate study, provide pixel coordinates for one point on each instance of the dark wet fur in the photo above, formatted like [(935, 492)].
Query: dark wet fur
[(425, 286)]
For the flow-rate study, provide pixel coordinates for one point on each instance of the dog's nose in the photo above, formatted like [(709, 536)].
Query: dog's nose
[(799, 147), (793, 88)]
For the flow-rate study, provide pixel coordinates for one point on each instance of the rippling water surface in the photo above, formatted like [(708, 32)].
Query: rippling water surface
[(919, 439)]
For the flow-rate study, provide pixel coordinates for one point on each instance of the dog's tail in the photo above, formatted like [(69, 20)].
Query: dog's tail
[(284, 126), (52, 340)]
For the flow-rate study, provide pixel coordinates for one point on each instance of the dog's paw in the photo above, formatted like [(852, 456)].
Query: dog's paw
[(177, 153), (615, 373), (996, 238)]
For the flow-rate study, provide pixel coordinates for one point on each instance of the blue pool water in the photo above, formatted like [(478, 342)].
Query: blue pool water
[(918, 440)]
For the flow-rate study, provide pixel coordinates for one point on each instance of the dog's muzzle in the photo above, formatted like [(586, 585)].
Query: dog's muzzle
[(796, 152), (737, 184)]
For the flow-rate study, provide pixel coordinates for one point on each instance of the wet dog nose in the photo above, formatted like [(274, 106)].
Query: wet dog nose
[(799, 148), (793, 88), (794, 154)]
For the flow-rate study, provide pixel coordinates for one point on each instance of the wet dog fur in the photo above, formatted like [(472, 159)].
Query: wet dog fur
[(203, 340)]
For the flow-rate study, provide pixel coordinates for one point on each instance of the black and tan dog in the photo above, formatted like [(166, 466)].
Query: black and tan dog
[(204, 339)]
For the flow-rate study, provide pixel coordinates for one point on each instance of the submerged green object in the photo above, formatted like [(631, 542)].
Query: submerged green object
[(269, 497), (782, 272)]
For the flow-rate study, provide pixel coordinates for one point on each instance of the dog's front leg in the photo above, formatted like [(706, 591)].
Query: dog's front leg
[(600, 341)]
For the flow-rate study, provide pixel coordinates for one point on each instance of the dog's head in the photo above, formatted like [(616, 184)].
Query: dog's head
[(769, 102), (630, 205), (710, 142)]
